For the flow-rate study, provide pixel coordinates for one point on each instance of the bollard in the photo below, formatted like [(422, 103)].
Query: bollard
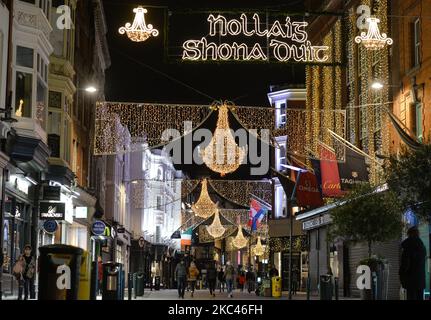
[(130, 286), (308, 288), (336, 287)]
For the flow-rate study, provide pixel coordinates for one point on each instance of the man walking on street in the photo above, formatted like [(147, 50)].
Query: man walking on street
[(412, 269), (229, 275), (181, 278)]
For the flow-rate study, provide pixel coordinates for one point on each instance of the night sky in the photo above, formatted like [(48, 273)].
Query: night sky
[(136, 71)]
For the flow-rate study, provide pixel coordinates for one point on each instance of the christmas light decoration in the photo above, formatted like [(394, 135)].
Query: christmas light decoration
[(204, 207), (296, 47), (259, 249), (223, 155), (216, 229), (139, 31), (373, 40), (239, 241)]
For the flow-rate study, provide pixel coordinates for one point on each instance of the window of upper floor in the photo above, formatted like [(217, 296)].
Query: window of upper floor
[(415, 43), (280, 114), (31, 84)]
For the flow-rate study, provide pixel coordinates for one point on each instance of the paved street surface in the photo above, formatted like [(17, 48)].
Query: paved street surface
[(204, 295)]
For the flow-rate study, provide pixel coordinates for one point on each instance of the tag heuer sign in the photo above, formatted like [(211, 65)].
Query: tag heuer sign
[(52, 193), (52, 211)]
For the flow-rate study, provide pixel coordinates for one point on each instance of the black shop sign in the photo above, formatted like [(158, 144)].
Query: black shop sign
[(52, 211)]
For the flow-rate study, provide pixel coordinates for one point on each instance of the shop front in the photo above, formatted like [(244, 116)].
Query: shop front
[(18, 223)]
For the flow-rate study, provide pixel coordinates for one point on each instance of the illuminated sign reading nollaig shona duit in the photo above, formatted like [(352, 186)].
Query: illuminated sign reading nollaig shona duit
[(284, 41)]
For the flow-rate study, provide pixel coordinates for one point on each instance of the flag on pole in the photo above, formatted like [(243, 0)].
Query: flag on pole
[(257, 213), (186, 238), (353, 170), (331, 185)]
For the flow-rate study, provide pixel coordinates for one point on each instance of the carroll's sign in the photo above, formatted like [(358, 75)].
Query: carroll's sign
[(250, 39), (317, 222)]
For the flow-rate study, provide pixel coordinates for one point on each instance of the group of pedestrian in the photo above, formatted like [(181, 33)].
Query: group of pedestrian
[(216, 278)]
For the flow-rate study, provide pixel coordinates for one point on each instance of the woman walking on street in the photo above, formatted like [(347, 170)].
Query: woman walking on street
[(220, 277), (24, 271), (193, 277)]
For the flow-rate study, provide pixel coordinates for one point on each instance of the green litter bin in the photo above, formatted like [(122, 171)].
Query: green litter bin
[(326, 287), (139, 284)]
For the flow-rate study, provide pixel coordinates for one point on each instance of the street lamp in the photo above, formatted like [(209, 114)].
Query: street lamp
[(377, 85), (91, 89)]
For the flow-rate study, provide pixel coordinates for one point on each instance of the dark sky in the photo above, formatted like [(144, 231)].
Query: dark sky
[(137, 68)]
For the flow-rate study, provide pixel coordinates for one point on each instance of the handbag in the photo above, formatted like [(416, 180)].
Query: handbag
[(18, 269)]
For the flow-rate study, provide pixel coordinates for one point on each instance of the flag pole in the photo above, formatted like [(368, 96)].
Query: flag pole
[(353, 147)]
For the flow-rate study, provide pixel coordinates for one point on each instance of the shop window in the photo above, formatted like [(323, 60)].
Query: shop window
[(24, 57), (23, 94)]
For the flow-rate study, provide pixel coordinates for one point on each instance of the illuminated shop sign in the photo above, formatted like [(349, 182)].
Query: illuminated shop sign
[(282, 40), (54, 211)]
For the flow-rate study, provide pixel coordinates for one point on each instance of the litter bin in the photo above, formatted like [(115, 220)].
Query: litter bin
[(59, 272), (139, 284), (266, 287), (157, 283), (276, 287), (84, 277), (326, 287), (112, 281)]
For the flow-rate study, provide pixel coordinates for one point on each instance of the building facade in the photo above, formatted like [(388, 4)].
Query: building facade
[(411, 85)]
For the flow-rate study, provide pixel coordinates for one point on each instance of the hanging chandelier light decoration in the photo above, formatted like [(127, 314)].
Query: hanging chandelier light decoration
[(204, 207), (259, 249), (139, 31), (239, 241), (216, 229), (223, 155), (373, 40)]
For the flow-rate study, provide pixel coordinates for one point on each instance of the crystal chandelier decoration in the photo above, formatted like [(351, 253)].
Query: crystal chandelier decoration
[(373, 40), (239, 241), (204, 207), (216, 229), (139, 31), (223, 155), (259, 250)]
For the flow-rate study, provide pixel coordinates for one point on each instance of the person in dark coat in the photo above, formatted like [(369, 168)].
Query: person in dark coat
[(412, 269), (212, 279)]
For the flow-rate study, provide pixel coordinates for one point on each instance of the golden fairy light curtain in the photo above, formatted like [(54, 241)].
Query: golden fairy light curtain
[(238, 191)]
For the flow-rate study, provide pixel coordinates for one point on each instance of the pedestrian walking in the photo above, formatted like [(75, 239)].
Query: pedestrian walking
[(229, 275), (250, 278), (412, 268), (241, 280), (295, 280), (24, 271), (99, 274), (273, 272), (181, 278), (211, 279), (220, 278), (193, 277)]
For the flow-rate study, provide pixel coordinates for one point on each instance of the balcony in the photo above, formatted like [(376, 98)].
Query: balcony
[(31, 17)]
